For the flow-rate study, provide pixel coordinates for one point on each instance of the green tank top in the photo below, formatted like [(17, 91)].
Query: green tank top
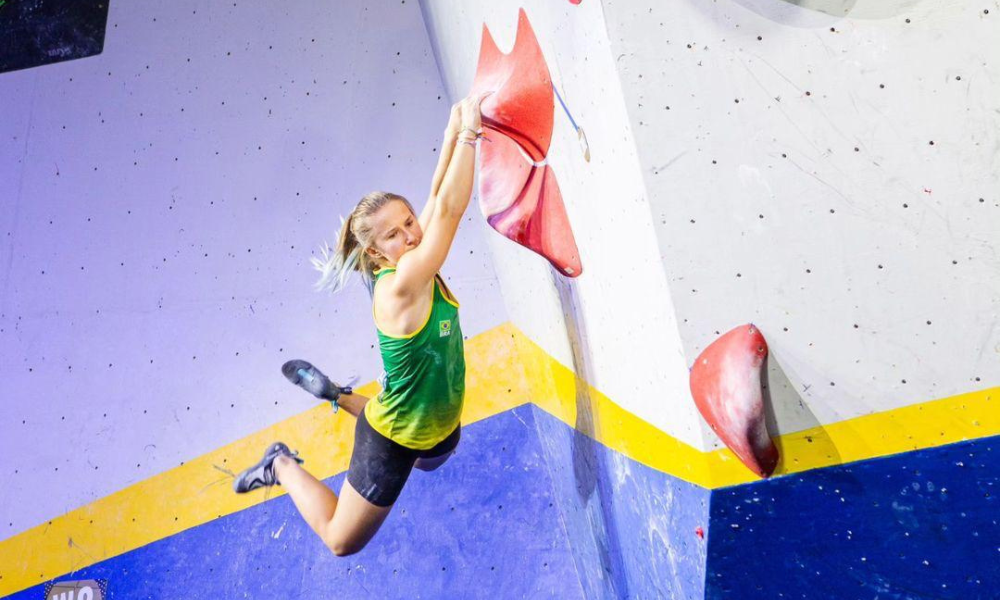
[(423, 381)]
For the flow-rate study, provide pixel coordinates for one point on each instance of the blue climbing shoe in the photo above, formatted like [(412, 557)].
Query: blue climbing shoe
[(312, 380), (262, 474)]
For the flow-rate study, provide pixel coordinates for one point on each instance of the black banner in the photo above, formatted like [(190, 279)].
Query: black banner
[(39, 32)]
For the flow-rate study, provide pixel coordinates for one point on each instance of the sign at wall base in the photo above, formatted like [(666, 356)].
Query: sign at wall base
[(89, 589)]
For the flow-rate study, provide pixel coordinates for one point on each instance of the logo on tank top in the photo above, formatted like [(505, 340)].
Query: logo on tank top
[(445, 328)]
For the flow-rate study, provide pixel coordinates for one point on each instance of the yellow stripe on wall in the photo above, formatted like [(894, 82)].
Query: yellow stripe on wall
[(504, 369), (557, 390)]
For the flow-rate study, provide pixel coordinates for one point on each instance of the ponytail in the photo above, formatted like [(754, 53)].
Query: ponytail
[(336, 265)]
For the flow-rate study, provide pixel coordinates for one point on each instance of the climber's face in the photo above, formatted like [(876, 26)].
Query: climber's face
[(397, 231)]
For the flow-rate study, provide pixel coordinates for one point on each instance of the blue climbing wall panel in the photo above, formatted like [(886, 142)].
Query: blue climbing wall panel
[(916, 525), (633, 529), (485, 525)]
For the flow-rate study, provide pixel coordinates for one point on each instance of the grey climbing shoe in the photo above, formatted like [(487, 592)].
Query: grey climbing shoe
[(312, 380), (262, 473)]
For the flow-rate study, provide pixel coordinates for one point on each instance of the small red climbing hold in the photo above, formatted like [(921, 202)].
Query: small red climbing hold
[(727, 387), (699, 532)]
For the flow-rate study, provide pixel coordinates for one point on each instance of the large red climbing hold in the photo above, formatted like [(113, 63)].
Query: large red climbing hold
[(518, 191), (726, 386)]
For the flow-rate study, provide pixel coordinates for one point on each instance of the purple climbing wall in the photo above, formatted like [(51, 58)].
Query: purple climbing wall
[(160, 202)]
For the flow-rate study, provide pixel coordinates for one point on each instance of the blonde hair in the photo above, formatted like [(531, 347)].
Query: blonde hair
[(354, 238)]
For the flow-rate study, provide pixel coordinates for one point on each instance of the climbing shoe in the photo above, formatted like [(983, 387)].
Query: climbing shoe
[(312, 380), (262, 474)]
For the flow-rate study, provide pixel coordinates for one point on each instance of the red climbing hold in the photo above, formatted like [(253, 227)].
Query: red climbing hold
[(726, 386), (518, 192)]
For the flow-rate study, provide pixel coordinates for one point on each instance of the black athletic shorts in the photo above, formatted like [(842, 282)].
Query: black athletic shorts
[(380, 466)]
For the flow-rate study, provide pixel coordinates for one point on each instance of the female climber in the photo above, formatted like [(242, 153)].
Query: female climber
[(414, 421)]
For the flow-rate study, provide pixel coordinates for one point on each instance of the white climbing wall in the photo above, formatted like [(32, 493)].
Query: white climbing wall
[(833, 179)]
